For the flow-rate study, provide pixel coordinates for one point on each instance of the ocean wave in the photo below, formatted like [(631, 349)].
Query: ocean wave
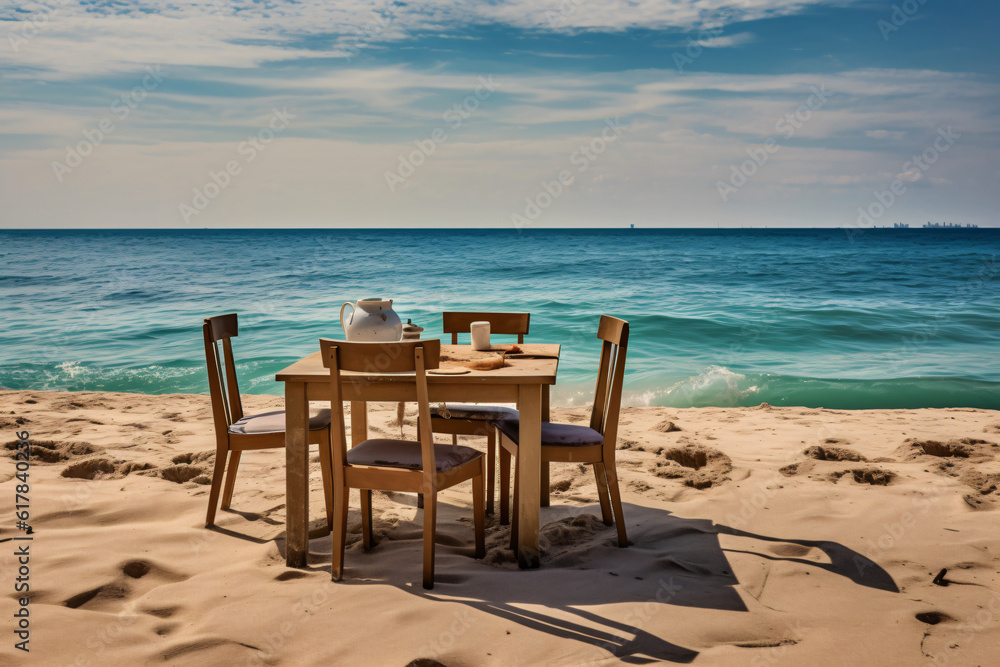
[(78, 376), (718, 386)]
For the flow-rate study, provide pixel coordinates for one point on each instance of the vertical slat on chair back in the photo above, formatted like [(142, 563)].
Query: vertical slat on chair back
[(504, 324), (425, 436), (599, 409), (610, 378), (220, 409), (338, 433), (232, 388), (223, 388)]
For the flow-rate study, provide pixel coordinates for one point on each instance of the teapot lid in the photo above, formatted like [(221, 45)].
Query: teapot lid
[(410, 327)]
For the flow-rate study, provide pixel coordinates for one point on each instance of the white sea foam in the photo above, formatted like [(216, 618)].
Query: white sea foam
[(71, 368), (716, 385)]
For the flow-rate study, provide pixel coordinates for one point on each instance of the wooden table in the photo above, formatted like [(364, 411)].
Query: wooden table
[(525, 382)]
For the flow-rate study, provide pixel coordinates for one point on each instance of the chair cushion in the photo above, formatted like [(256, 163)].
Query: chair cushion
[(406, 454), (473, 412), (557, 435), (274, 422)]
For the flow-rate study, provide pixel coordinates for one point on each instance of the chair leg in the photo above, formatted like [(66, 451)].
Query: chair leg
[(367, 534), (600, 472), (227, 492), (326, 471), (515, 513), (213, 493), (504, 457), (430, 524), (479, 511), (341, 501), (616, 503), (491, 464), (544, 497)]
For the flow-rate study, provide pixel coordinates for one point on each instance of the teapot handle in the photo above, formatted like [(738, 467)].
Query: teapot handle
[(346, 304)]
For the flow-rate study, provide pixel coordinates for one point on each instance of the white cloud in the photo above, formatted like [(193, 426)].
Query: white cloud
[(69, 38), (727, 41)]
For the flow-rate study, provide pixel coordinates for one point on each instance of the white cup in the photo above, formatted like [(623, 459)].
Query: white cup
[(480, 335)]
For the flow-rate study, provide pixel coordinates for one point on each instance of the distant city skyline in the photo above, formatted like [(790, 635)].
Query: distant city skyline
[(549, 113)]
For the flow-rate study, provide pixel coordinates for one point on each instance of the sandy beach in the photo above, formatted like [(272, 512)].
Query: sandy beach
[(763, 536)]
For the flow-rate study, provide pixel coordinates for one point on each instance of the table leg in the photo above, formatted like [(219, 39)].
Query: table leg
[(545, 465), (359, 422), (296, 475), (529, 458)]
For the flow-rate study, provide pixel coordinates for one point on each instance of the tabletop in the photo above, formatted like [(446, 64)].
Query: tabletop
[(536, 364)]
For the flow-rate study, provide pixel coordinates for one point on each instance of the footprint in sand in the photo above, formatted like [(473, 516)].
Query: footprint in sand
[(100, 596), (962, 448), (136, 569), (161, 612), (666, 427), (639, 486), (101, 468), (828, 453), (181, 474), (561, 486), (698, 466), (970, 460), (50, 451), (92, 469), (872, 476), (189, 458), (133, 578), (933, 617), (945, 449)]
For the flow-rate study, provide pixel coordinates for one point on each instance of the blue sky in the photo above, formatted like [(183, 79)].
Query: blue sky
[(544, 113)]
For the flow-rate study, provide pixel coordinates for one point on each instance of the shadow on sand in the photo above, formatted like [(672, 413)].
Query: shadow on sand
[(671, 562)]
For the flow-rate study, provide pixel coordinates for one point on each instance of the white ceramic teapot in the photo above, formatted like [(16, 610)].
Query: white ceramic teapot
[(372, 320)]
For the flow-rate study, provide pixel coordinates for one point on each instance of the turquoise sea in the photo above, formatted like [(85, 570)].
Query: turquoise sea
[(835, 318)]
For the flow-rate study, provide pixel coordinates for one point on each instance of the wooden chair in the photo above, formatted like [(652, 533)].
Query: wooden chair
[(475, 418), (395, 465), (236, 432), (594, 444)]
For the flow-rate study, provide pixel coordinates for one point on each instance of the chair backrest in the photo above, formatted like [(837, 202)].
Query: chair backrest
[(226, 405), (510, 324), (409, 356), (608, 393)]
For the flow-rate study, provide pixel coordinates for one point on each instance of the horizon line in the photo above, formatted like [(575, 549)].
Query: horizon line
[(482, 228)]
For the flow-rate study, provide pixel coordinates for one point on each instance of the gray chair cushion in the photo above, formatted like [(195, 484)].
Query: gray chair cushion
[(473, 412), (274, 422), (406, 454), (559, 435)]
